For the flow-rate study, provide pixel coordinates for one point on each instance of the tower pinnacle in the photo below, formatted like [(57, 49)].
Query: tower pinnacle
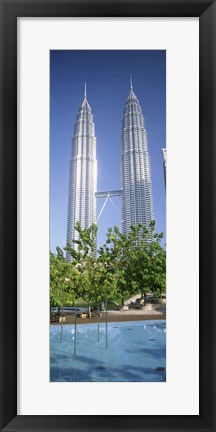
[(131, 82), (85, 91)]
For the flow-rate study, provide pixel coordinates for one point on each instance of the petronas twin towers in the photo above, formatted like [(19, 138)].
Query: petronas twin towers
[(136, 184)]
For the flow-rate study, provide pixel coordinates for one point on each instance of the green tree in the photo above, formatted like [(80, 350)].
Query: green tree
[(118, 248), (84, 259), (148, 262), (138, 260), (86, 245), (126, 264), (63, 280)]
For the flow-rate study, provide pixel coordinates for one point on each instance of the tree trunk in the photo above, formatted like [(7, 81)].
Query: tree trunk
[(89, 310), (144, 294), (122, 295), (142, 299)]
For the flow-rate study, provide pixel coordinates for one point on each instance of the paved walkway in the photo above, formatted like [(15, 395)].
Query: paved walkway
[(117, 316)]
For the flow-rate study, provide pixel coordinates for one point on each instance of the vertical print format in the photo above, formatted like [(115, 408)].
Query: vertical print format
[(107, 216)]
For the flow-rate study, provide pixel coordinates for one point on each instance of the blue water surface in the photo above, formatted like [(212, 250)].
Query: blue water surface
[(136, 352)]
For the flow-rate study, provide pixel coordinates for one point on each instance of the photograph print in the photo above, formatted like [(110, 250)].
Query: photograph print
[(107, 216)]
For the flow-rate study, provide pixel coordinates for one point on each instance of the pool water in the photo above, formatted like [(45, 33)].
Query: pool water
[(136, 352)]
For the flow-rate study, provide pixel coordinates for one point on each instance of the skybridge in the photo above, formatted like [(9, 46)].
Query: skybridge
[(108, 195)]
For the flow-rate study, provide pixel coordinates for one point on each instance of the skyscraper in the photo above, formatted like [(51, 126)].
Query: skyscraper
[(83, 174), (164, 164), (137, 205)]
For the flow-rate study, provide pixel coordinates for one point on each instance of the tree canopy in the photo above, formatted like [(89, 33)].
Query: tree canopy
[(125, 265), (63, 280)]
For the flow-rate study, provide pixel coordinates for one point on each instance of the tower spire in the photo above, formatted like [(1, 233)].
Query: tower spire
[(131, 82), (85, 90)]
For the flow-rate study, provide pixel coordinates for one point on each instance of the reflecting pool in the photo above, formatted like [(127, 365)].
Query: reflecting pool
[(136, 352)]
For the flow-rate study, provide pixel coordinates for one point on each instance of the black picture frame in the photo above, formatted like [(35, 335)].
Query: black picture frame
[(10, 11)]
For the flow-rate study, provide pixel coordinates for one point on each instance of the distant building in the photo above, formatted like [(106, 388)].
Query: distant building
[(137, 202), (164, 164), (83, 174)]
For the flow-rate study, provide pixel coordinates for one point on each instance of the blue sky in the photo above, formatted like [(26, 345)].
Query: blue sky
[(107, 74)]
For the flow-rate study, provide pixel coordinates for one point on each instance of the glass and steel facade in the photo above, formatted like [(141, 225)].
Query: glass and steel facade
[(83, 174), (136, 184), (164, 163)]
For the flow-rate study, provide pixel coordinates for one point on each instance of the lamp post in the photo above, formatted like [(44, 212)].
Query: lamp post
[(62, 313), (98, 323), (106, 323), (75, 331)]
